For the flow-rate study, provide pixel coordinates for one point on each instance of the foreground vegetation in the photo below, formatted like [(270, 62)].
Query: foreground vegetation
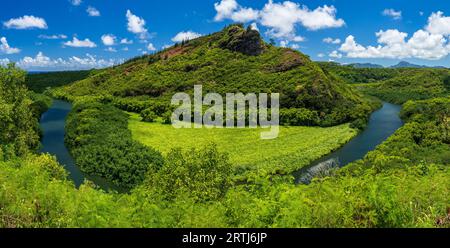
[(19, 128), (37, 196)]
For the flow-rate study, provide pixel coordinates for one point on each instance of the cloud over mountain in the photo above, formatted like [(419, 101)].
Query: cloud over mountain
[(185, 36), (42, 62), (280, 18), (430, 43)]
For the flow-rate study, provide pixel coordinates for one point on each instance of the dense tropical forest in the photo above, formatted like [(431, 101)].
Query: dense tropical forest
[(397, 85), (40, 82), (118, 112)]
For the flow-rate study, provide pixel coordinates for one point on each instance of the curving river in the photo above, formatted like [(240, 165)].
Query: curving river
[(382, 124), (53, 124)]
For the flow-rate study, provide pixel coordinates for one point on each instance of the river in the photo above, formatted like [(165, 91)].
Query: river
[(382, 124), (53, 126)]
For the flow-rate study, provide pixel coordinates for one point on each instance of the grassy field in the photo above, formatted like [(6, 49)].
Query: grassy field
[(295, 147)]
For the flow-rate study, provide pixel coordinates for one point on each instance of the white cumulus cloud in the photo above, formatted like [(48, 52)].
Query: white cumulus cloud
[(52, 37), (93, 11), (280, 18), (126, 41), (431, 43), (244, 15), (393, 44), (109, 40), (335, 54), (76, 2), (438, 24), (80, 43), (330, 40), (394, 14), (151, 47), (254, 26), (225, 9), (287, 43), (42, 62), (26, 22), (320, 18), (185, 36), (136, 25), (5, 48)]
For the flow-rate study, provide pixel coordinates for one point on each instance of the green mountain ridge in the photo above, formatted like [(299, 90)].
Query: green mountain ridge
[(396, 85), (405, 64), (232, 60)]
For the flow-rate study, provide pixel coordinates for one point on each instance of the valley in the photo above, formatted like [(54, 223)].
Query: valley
[(95, 162)]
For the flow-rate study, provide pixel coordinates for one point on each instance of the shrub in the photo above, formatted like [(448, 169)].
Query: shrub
[(148, 115), (203, 174), (298, 117), (167, 118), (99, 139)]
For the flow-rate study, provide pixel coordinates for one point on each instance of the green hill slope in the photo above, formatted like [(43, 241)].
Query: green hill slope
[(233, 60), (413, 84)]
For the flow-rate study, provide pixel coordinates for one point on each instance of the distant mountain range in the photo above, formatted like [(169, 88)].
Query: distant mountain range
[(402, 64)]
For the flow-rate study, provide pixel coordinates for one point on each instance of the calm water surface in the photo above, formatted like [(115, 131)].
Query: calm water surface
[(53, 126), (382, 124)]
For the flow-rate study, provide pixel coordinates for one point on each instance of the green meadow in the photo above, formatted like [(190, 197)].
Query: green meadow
[(296, 146)]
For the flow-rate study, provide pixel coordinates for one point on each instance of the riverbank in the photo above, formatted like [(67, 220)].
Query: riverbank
[(382, 124), (52, 124)]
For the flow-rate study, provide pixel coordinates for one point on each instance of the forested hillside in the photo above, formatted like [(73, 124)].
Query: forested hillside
[(396, 85), (39, 82), (412, 84)]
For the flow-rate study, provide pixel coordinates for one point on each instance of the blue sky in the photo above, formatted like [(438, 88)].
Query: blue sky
[(347, 31)]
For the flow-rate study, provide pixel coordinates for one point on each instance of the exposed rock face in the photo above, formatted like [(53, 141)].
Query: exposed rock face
[(289, 61), (248, 41)]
